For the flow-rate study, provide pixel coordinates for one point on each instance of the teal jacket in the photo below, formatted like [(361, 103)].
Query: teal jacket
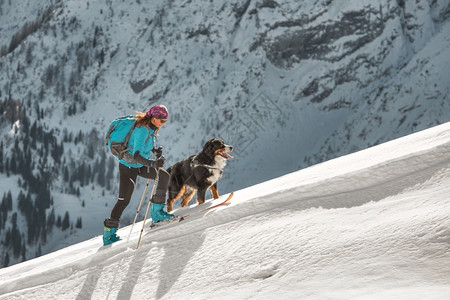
[(142, 139)]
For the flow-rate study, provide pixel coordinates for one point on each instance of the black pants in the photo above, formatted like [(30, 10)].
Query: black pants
[(128, 181)]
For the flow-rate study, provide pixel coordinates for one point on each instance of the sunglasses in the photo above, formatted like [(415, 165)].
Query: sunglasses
[(163, 120)]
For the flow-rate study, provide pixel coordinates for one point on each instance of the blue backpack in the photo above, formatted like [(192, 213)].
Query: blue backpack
[(118, 136)]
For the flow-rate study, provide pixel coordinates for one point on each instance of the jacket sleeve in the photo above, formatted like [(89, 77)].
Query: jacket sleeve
[(138, 140)]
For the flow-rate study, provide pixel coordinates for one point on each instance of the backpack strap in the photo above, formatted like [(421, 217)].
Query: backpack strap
[(111, 129), (149, 135), (127, 138), (121, 151)]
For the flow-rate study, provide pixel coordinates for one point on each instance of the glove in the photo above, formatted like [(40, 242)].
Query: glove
[(159, 163), (141, 160), (157, 151)]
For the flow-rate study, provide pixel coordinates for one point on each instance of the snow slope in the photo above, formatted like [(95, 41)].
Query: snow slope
[(374, 224), (288, 83)]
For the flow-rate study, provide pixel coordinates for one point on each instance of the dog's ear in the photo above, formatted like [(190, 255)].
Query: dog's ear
[(207, 145), (208, 148), (209, 142)]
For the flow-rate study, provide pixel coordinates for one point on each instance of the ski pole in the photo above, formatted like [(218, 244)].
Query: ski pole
[(138, 209), (148, 207), (158, 153)]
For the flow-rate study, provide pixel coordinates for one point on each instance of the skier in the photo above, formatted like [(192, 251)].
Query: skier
[(141, 143)]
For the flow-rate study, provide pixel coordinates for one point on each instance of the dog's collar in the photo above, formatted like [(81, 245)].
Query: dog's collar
[(195, 163)]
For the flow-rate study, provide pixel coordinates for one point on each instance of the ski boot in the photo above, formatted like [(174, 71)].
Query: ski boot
[(109, 232), (158, 214)]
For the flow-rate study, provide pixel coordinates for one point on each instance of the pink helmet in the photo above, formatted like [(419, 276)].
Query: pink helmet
[(158, 112)]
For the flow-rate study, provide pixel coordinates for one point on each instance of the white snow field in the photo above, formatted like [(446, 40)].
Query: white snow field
[(371, 225)]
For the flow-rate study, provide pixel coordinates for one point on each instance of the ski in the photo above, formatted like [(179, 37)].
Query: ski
[(161, 223), (226, 202), (181, 218)]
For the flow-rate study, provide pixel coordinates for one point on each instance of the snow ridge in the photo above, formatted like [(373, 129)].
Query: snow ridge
[(367, 225)]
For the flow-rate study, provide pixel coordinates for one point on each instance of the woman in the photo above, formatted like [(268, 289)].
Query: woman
[(141, 142)]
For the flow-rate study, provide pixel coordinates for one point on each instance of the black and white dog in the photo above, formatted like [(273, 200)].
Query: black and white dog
[(198, 172)]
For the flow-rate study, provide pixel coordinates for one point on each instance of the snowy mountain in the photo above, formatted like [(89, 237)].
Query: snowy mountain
[(370, 225), (288, 83)]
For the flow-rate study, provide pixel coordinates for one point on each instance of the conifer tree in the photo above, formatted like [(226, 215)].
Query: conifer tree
[(6, 260), (1, 157), (79, 223), (24, 252), (66, 221), (51, 220)]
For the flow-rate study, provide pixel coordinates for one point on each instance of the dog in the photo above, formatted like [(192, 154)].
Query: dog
[(198, 172)]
